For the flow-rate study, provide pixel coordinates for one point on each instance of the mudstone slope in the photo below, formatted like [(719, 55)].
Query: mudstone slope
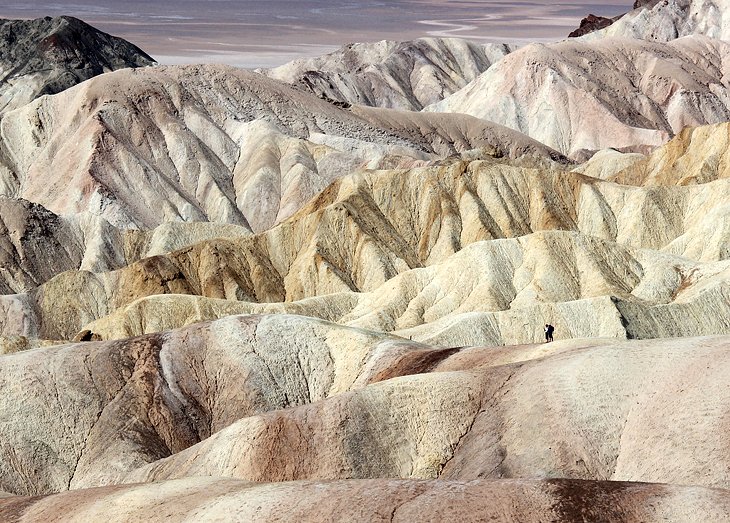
[(234, 295), (643, 92), (399, 75), (210, 143), (386, 250)]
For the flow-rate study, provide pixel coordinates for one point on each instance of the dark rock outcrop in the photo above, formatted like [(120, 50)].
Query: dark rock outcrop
[(645, 3), (35, 245), (49, 55), (591, 23)]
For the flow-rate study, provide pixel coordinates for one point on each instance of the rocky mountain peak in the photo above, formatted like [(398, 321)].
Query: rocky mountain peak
[(591, 23), (48, 55), (643, 3), (667, 20)]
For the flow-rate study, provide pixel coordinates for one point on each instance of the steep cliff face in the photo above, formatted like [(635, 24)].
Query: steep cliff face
[(49, 55)]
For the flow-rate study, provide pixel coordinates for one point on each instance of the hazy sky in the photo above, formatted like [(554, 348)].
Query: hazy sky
[(265, 33)]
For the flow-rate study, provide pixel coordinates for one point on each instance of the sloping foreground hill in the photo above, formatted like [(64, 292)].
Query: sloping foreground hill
[(207, 400), (48, 55), (649, 411), (399, 75), (100, 410), (378, 501), (641, 92)]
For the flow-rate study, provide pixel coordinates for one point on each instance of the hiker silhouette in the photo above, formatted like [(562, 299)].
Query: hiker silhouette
[(549, 329)]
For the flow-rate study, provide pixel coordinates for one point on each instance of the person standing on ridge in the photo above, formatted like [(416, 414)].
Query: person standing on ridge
[(549, 332)]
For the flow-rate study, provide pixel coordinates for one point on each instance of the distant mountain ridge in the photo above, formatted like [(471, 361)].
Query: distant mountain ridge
[(49, 55), (592, 23)]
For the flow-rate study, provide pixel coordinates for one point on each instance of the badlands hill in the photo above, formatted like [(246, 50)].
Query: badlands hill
[(670, 19), (376, 500), (698, 155), (400, 75), (273, 398), (141, 147), (36, 244), (238, 296), (545, 242), (49, 55), (641, 92)]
